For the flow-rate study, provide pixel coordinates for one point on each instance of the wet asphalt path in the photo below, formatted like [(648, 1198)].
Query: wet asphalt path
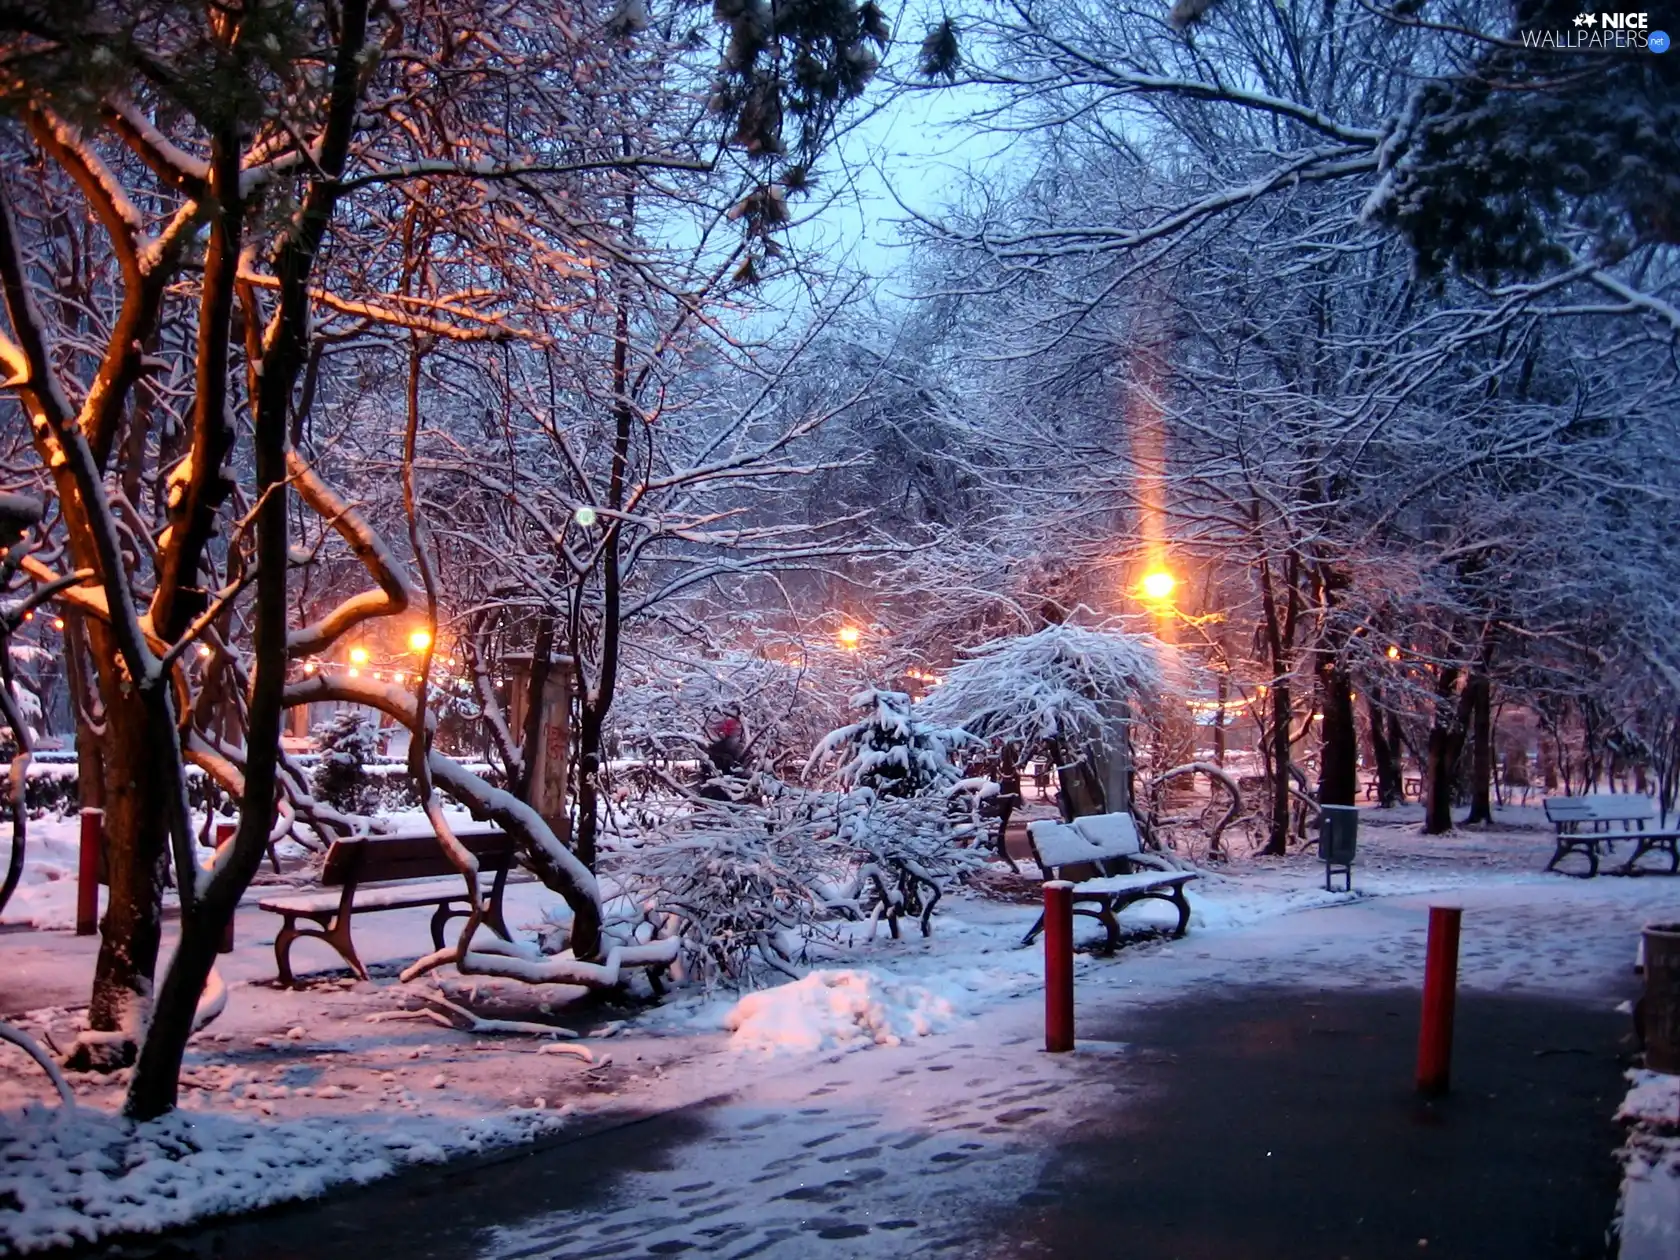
[(1250, 1124)]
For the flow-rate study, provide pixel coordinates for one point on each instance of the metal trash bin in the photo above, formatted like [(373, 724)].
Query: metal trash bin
[(1660, 1009), (1338, 838)]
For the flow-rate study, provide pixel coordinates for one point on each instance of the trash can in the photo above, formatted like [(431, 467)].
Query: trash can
[(1338, 838), (1661, 1008)]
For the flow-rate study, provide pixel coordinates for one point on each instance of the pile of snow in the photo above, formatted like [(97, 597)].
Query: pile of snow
[(836, 1010), (80, 1175), (1649, 1216)]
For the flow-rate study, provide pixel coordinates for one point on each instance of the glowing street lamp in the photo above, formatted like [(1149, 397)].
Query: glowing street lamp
[(358, 656), (1159, 584), (419, 641), (1393, 653), (849, 636)]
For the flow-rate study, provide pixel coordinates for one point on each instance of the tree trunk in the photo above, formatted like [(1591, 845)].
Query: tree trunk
[(1480, 691), (136, 805), (542, 657), (1338, 774), (205, 916), (1446, 743), (1277, 835), (1223, 695), (1385, 753)]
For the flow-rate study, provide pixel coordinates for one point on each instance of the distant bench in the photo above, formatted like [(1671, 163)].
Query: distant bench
[(1585, 822), (1097, 854), (374, 873)]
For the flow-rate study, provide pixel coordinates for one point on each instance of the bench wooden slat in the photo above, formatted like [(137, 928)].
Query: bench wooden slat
[(397, 896), (368, 858)]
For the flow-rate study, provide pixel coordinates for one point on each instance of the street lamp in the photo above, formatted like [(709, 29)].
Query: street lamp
[(849, 636), (419, 641), (1159, 584), (358, 656)]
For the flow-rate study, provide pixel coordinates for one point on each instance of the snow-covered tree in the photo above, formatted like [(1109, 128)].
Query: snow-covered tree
[(890, 750)]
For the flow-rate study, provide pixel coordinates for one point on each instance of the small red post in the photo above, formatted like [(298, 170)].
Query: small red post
[(224, 836), (1058, 966), (87, 872), (1440, 988)]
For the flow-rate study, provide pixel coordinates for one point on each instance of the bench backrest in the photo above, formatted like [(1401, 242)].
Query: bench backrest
[(1622, 807), (374, 859), (1099, 844)]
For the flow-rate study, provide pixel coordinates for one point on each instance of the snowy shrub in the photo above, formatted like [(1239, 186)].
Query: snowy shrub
[(906, 850), (348, 741), (889, 750), (1060, 685), (742, 884)]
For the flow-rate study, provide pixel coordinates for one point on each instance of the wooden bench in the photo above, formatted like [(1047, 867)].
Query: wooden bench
[(1585, 822), (1098, 855), (399, 872)]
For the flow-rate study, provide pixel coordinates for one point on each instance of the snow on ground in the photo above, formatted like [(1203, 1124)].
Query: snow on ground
[(364, 1062), (1650, 1207), (77, 1176), (835, 1010)]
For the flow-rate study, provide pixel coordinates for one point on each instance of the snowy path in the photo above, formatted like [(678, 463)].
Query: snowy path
[(941, 1132), (921, 1149)]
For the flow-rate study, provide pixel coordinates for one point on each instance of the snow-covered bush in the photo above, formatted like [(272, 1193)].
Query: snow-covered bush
[(742, 884), (906, 849), (1063, 684), (348, 741), (889, 750)]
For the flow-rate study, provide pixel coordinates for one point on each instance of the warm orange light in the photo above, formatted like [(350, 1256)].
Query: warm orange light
[(1159, 584), (358, 656), (353, 672), (849, 636), (420, 640), (309, 667), (58, 623), (1393, 653), (203, 650)]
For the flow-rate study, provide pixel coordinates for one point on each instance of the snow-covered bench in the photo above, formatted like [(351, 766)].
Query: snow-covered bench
[(1585, 822), (399, 872), (1098, 854)]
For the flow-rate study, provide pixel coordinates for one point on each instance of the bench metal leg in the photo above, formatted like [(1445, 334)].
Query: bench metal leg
[(1032, 932), (1182, 904), (283, 951), (336, 934), (1567, 844), (440, 919), (1106, 916), (1660, 844)]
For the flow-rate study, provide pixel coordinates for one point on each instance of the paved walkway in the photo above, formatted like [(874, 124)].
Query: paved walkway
[(1241, 1096), (1281, 1123)]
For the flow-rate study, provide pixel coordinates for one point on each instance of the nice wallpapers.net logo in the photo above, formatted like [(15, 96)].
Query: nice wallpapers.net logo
[(1608, 31)]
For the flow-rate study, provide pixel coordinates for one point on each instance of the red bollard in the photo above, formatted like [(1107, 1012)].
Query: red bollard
[(224, 836), (1440, 988), (1058, 966), (87, 872)]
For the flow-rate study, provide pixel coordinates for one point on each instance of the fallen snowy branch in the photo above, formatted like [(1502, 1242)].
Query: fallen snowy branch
[(23, 1041)]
